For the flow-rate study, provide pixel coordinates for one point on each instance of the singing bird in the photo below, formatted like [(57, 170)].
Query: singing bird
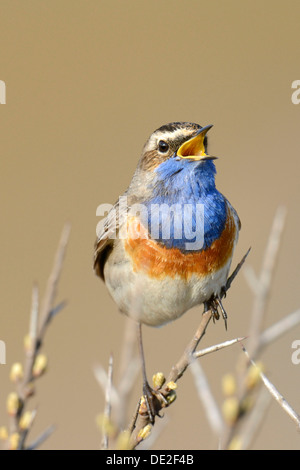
[(169, 246)]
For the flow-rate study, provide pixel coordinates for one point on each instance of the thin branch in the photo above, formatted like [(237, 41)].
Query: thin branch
[(25, 432), (51, 289), (107, 407), (264, 281), (33, 327), (142, 420), (278, 329), (217, 347), (47, 308), (235, 272), (210, 405), (33, 333), (251, 279), (35, 364), (275, 393), (272, 250), (39, 441), (103, 378), (261, 287), (57, 309), (185, 360), (129, 368), (256, 418)]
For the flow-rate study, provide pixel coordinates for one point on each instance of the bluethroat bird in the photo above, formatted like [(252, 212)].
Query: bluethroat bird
[(167, 244)]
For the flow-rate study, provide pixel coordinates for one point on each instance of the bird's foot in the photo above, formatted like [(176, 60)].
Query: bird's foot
[(214, 304), (151, 402)]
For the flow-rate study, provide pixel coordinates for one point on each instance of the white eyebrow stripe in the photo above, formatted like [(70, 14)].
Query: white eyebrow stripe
[(167, 135), (172, 135)]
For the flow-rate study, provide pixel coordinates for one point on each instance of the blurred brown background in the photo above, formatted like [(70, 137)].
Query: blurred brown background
[(87, 83)]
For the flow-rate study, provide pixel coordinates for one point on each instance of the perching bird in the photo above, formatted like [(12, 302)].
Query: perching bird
[(168, 243)]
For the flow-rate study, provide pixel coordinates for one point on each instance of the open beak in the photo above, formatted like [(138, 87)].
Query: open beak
[(194, 148)]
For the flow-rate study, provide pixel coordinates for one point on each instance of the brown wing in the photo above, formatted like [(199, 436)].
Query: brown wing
[(106, 238)]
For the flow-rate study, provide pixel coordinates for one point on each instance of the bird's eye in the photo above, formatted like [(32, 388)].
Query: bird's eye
[(163, 147)]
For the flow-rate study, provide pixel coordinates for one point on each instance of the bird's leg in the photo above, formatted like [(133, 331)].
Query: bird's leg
[(149, 394)]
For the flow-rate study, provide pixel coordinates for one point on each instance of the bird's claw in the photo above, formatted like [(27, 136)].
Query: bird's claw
[(151, 403), (215, 304)]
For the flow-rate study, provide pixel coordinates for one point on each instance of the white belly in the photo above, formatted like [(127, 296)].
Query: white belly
[(157, 301)]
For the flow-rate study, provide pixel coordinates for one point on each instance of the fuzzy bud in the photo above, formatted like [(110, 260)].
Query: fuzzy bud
[(144, 432), (3, 433), (105, 425), (228, 385), (26, 420), (40, 365), (230, 410), (143, 406), (171, 386), (123, 440), (16, 372), (158, 380), (171, 397), (235, 444), (13, 442), (12, 404)]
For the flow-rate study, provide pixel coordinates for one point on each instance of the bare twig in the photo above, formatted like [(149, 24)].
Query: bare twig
[(35, 363), (102, 378), (129, 368), (50, 294), (39, 441), (235, 273), (120, 393), (143, 420), (47, 307), (210, 406), (280, 328), (254, 421), (107, 407), (185, 360), (217, 347), (261, 287), (205, 394), (25, 432), (33, 327), (263, 284), (275, 393)]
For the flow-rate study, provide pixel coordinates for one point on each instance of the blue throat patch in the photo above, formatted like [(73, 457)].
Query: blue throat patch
[(186, 211)]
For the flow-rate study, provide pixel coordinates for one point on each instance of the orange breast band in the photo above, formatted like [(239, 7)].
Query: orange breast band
[(158, 261)]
